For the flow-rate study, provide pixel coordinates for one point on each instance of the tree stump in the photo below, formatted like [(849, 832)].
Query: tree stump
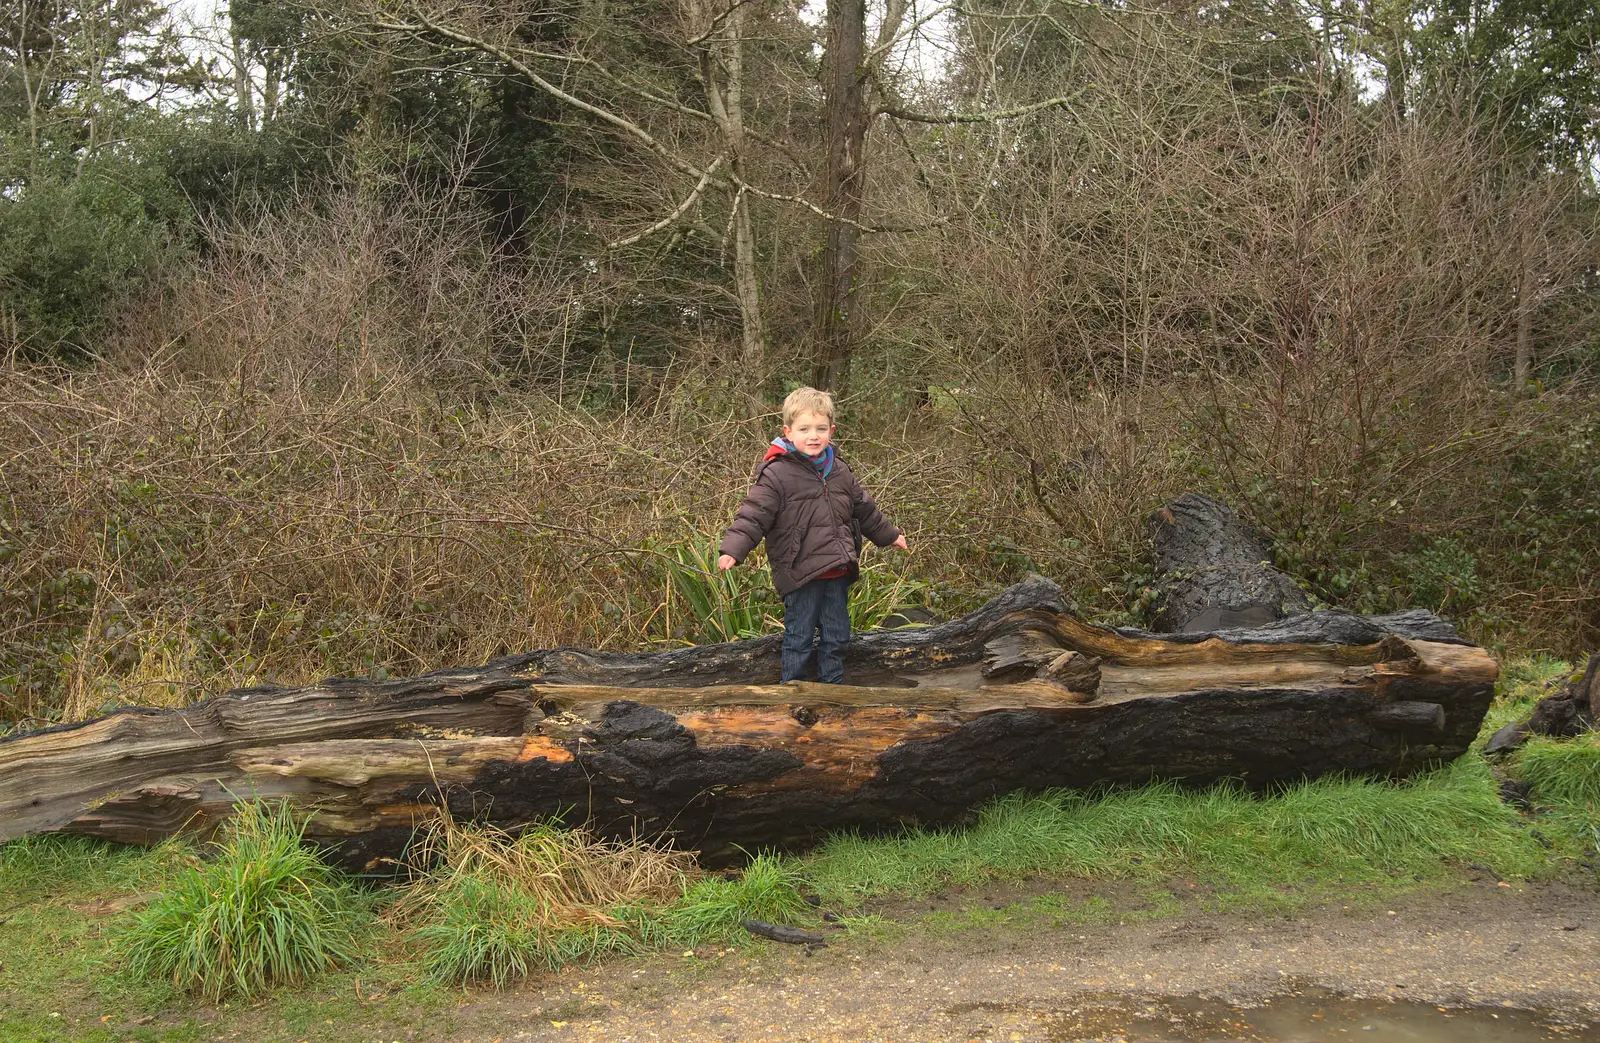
[(1214, 571)]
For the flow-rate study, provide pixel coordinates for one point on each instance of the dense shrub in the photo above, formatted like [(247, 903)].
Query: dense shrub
[(75, 252)]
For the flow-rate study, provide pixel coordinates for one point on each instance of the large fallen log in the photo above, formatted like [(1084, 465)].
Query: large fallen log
[(703, 746)]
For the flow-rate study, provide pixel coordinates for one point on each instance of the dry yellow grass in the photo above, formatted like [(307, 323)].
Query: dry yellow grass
[(164, 537)]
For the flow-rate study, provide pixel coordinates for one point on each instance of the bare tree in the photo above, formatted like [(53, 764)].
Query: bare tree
[(713, 150), (836, 324)]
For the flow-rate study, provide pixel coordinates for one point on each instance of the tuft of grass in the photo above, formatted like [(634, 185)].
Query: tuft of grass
[(1564, 771), (1529, 675), (715, 909), (492, 907), (1318, 833), (264, 911), (489, 931)]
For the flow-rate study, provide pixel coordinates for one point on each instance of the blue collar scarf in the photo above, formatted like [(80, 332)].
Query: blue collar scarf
[(823, 463)]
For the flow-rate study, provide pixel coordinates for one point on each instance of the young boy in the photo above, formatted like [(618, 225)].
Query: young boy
[(809, 507)]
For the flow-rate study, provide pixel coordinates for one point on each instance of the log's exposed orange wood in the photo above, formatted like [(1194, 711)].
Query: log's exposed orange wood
[(735, 726), (837, 749), (537, 746), (844, 748)]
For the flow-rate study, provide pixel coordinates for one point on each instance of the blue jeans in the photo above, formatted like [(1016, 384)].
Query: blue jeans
[(821, 605)]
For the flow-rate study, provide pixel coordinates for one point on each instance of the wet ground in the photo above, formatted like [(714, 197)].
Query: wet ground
[(1479, 962), (1302, 1015)]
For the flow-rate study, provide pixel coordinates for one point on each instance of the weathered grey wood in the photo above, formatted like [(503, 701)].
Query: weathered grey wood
[(48, 777), (1026, 654), (1076, 670)]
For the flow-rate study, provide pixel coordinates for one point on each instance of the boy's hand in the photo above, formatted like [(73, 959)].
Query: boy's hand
[(900, 541), (726, 562)]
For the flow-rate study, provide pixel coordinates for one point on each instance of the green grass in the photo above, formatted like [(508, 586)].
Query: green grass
[(493, 908), (487, 931), (714, 909), (885, 586), (715, 605), (1563, 771), (497, 908), (1316, 835), (489, 906), (264, 911), (1522, 683), (1563, 774), (706, 604), (1529, 675), (56, 979), (39, 865)]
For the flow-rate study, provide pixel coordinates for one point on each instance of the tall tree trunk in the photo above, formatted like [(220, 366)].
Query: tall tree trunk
[(752, 348), (724, 84), (243, 93), (836, 322), (30, 88), (1389, 25), (1523, 364), (269, 93)]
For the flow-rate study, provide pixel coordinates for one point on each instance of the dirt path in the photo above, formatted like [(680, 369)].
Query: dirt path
[(1023, 979)]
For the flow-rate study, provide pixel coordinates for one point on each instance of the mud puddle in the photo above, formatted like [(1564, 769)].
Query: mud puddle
[(1305, 1016)]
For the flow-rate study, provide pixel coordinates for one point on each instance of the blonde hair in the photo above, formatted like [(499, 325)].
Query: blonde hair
[(807, 400)]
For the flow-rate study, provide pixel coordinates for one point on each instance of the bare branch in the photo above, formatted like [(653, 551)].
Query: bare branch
[(716, 23), (681, 209), (727, 230), (638, 133), (989, 116), (826, 216)]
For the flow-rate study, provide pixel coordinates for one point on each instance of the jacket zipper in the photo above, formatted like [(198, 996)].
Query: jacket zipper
[(825, 494)]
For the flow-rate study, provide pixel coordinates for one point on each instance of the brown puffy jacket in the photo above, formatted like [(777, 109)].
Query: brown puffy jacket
[(809, 522)]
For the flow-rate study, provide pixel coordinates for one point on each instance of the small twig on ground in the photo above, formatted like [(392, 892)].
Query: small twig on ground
[(788, 935)]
